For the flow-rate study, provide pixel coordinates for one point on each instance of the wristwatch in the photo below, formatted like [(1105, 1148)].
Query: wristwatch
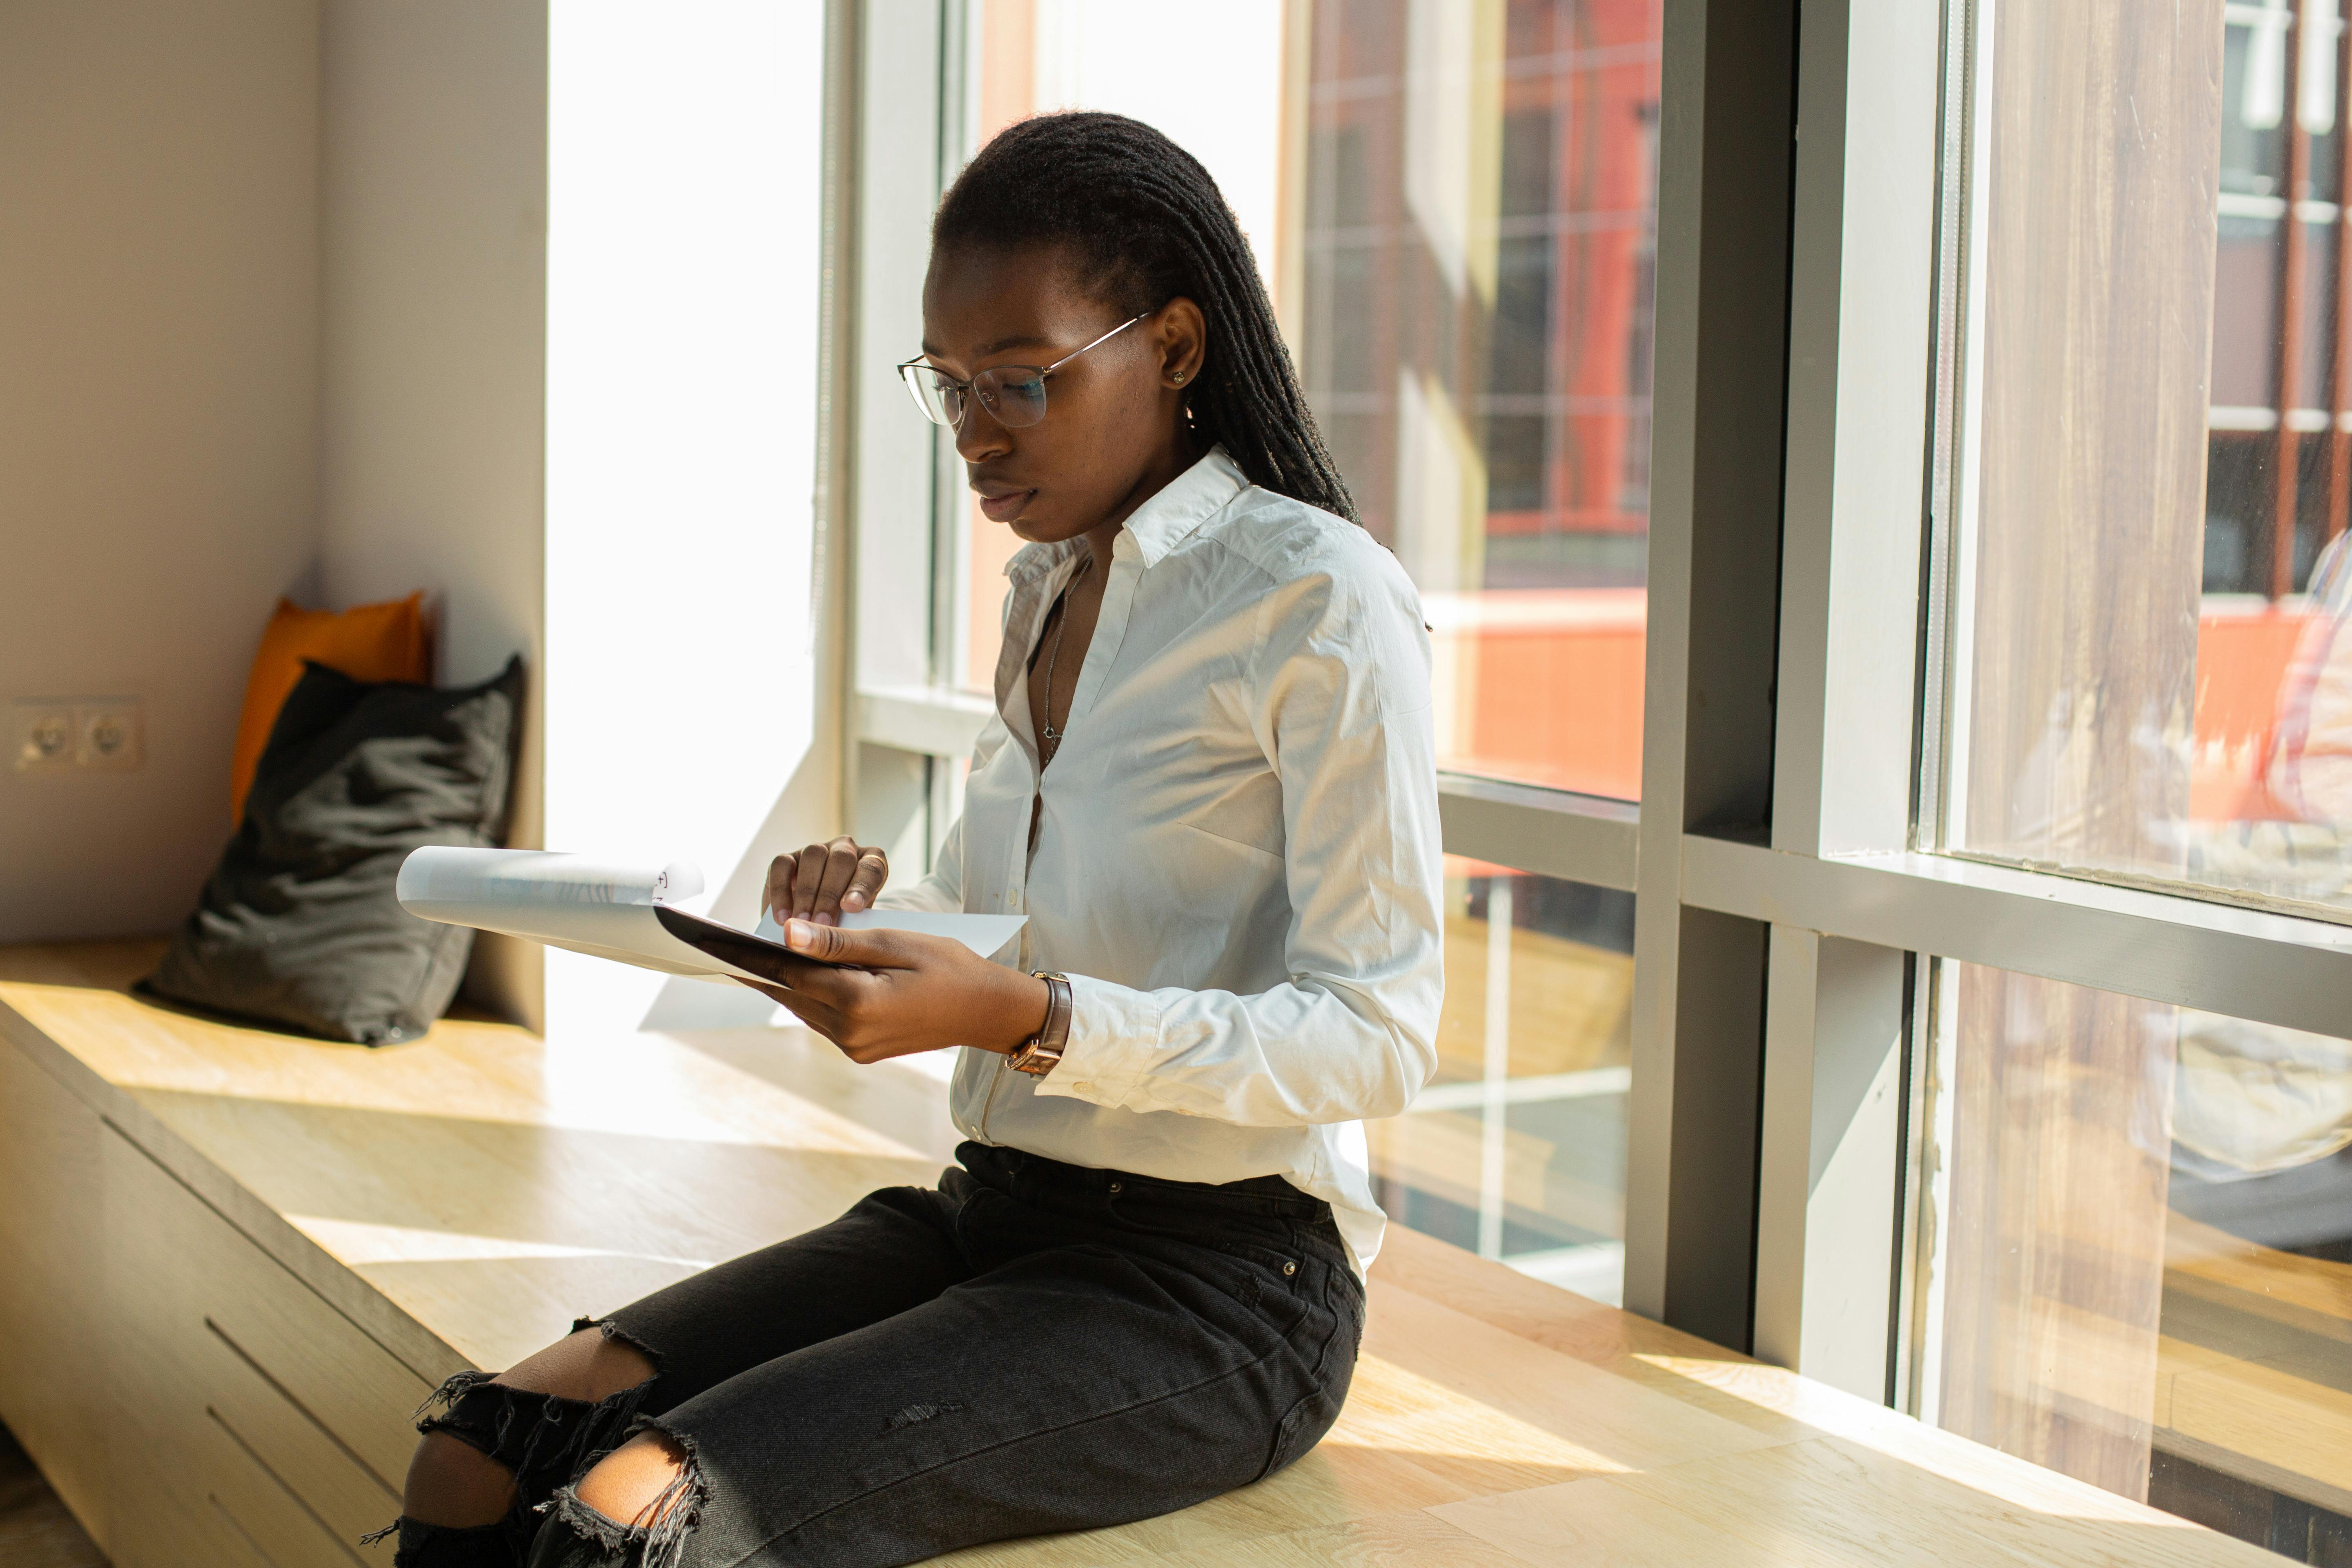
[(1036, 1055)]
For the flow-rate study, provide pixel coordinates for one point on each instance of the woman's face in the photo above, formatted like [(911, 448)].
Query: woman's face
[(1113, 431)]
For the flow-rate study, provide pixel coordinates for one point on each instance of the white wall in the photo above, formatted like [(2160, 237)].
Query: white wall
[(684, 156), (158, 391), (434, 389), (593, 440)]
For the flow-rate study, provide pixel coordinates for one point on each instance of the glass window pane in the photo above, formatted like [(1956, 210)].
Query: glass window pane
[(1480, 194), (1473, 242), (1516, 1149), (2142, 1267), (2151, 674), (1148, 59)]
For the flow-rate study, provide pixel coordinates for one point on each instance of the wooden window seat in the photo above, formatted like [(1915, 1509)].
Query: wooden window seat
[(231, 1262)]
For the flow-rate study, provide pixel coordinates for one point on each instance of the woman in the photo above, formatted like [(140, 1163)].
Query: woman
[(1209, 786)]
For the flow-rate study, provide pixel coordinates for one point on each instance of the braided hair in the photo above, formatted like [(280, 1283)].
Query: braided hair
[(1145, 223)]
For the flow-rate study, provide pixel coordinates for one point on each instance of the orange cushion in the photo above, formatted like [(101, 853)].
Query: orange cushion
[(373, 642)]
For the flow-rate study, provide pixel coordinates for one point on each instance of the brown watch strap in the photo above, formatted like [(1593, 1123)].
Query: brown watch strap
[(1036, 1055)]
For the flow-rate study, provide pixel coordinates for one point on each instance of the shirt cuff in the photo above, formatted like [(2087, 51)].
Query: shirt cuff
[(1114, 1038)]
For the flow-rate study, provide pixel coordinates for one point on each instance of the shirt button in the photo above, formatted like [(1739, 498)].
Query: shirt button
[(1290, 1267), (1114, 1186)]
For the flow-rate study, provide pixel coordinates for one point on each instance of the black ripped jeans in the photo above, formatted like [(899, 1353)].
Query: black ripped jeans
[(1032, 1346)]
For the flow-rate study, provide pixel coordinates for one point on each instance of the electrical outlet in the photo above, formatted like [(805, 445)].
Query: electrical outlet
[(106, 731), (50, 734), (41, 735)]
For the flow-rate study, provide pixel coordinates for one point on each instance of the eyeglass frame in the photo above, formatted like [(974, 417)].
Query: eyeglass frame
[(964, 385)]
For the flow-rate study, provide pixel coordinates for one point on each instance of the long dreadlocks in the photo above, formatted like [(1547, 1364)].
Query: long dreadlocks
[(1145, 223)]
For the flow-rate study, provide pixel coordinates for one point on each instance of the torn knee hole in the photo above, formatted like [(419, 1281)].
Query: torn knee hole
[(619, 1367), (624, 1347), (647, 1492), (453, 1485), (543, 1439), (639, 1482)]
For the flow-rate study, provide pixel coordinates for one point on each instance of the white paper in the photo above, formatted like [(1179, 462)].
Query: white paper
[(984, 934), (611, 910)]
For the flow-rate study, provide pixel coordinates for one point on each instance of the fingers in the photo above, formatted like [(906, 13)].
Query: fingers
[(777, 901), (825, 880), (843, 983), (873, 870), (842, 860), (807, 877), (827, 1021), (865, 949), (823, 998), (773, 968), (776, 994), (791, 977)]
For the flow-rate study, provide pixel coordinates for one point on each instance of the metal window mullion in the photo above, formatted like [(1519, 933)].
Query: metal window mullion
[(1863, 327), (891, 452), (1725, 131), (832, 577), (2339, 361), (2286, 474), (1829, 1187), (1957, 241), (950, 609), (1494, 1110), (1925, 1245), (2274, 969), (1577, 838)]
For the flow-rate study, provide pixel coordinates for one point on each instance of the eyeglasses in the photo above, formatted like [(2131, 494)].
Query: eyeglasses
[(1014, 395)]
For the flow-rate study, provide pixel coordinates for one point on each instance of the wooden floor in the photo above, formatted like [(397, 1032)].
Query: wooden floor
[(463, 1198), (36, 1531)]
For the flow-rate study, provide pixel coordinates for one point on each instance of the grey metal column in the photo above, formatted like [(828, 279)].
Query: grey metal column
[(1726, 144)]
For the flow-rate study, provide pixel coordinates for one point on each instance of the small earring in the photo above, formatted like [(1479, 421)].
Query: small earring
[(1180, 378)]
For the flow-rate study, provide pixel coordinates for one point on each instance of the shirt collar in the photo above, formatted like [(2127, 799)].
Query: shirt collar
[(1183, 504)]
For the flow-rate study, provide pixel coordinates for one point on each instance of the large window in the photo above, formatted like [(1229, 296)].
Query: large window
[(1899, 924), (2152, 674), (2142, 1271), (2134, 1259), (1480, 216)]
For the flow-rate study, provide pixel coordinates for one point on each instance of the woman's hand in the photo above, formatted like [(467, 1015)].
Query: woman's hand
[(908, 993), (825, 881)]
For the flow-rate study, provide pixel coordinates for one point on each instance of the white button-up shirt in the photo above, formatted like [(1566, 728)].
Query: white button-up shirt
[(1237, 858)]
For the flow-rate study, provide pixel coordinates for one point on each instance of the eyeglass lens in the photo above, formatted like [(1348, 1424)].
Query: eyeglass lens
[(1014, 395)]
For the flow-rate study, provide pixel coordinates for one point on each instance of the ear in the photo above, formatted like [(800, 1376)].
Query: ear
[(1180, 333)]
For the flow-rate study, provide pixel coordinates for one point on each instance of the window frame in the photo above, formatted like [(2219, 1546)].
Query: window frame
[(1898, 892)]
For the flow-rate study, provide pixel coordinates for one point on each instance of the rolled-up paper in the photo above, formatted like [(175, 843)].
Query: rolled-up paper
[(438, 875)]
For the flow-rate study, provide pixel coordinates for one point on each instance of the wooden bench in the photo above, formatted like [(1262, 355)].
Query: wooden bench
[(231, 1262)]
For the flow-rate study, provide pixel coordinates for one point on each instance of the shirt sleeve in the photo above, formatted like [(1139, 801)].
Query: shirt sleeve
[(1340, 699)]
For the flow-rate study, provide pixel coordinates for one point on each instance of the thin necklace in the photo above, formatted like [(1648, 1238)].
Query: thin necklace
[(1062, 624)]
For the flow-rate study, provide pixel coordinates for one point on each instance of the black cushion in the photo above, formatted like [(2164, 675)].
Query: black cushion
[(298, 927)]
